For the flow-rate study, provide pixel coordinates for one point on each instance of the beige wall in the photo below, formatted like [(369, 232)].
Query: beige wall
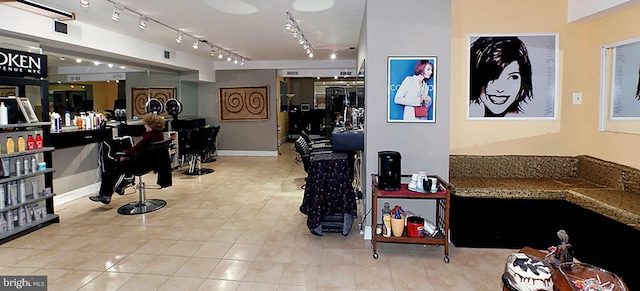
[(576, 129), (617, 147)]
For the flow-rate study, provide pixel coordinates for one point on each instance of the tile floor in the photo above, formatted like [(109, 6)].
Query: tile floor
[(236, 229)]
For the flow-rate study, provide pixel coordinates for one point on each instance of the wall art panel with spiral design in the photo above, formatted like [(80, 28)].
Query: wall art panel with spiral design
[(244, 103)]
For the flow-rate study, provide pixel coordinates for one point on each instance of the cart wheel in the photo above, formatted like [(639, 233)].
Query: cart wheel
[(446, 259), (375, 256)]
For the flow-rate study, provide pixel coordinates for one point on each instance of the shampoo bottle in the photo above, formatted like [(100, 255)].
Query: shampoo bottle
[(11, 146), (4, 114), (3, 223), (22, 144), (23, 191), (2, 197), (31, 143), (67, 119), (25, 165), (39, 144)]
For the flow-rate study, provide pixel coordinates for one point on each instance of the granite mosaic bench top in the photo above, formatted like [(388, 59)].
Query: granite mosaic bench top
[(614, 196)]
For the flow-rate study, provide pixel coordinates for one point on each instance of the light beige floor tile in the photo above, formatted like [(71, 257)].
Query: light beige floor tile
[(219, 285), (133, 263), (251, 286), (264, 272), (300, 274), (107, 281), (226, 235), (212, 250), (155, 246), (181, 283), (197, 267), (230, 270), (274, 254), (183, 248), (164, 265), (144, 282), (73, 280), (336, 276), (295, 288), (243, 252)]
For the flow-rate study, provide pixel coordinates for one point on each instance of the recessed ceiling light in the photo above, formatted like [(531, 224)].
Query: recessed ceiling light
[(96, 63), (78, 61), (110, 65), (122, 67)]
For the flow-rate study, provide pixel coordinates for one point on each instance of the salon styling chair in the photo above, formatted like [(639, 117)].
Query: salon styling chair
[(156, 159), (201, 142)]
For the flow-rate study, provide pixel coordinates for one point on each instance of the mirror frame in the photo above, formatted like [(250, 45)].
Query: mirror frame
[(607, 123)]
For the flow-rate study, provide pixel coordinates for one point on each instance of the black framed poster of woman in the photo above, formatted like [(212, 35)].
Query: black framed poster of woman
[(513, 76)]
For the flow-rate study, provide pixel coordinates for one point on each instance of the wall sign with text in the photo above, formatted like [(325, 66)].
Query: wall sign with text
[(22, 64)]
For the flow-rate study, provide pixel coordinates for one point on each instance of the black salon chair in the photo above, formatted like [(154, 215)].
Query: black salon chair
[(156, 159), (199, 144)]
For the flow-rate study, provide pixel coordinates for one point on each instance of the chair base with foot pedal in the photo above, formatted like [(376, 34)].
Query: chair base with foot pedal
[(157, 160)]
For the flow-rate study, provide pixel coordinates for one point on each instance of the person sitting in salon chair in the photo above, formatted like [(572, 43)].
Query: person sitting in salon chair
[(121, 176)]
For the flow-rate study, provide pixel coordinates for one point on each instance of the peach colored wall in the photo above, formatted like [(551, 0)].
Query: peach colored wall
[(541, 137), (617, 147), (576, 130)]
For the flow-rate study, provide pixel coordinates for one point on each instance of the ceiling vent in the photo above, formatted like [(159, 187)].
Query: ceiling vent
[(41, 9), (169, 55), (60, 27)]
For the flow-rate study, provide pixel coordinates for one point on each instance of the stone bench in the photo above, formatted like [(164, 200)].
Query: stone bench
[(517, 201), (603, 187)]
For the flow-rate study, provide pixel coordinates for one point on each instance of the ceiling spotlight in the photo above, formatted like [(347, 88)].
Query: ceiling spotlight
[(179, 36), (78, 61), (62, 58), (195, 44), (333, 56), (110, 65), (296, 32), (116, 13), (220, 56), (213, 53), (242, 62), (228, 58), (142, 23), (96, 63), (122, 67), (84, 3), (235, 61)]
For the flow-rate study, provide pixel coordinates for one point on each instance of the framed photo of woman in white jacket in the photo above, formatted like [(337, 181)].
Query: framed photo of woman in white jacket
[(411, 89)]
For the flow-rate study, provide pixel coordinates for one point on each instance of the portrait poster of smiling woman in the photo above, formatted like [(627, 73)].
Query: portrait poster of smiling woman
[(513, 76), (411, 95)]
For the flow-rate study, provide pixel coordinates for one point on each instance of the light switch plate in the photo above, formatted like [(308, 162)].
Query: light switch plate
[(577, 98)]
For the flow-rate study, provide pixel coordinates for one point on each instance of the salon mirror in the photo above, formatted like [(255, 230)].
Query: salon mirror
[(620, 87)]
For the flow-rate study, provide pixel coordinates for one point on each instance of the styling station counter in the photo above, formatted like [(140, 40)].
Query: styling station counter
[(77, 160)]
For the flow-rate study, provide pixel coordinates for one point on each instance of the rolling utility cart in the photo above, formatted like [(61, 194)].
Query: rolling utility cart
[(442, 198)]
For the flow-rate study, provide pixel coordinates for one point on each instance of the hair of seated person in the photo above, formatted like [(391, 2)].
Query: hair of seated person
[(154, 121)]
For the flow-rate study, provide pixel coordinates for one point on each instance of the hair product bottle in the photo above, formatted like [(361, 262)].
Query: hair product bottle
[(11, 146), (4, 114), (23, 191), (31, 143), (22, 145), (39, 144), (2, 197)]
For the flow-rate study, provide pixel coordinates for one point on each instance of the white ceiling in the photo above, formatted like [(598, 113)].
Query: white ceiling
[(250, 28)]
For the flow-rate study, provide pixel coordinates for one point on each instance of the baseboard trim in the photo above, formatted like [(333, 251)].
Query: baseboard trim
[(247, 153), (63, 198)]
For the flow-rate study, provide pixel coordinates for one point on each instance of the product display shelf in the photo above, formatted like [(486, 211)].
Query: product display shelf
[(18, 231), (24, 125), (43, 201), (442, 215)]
